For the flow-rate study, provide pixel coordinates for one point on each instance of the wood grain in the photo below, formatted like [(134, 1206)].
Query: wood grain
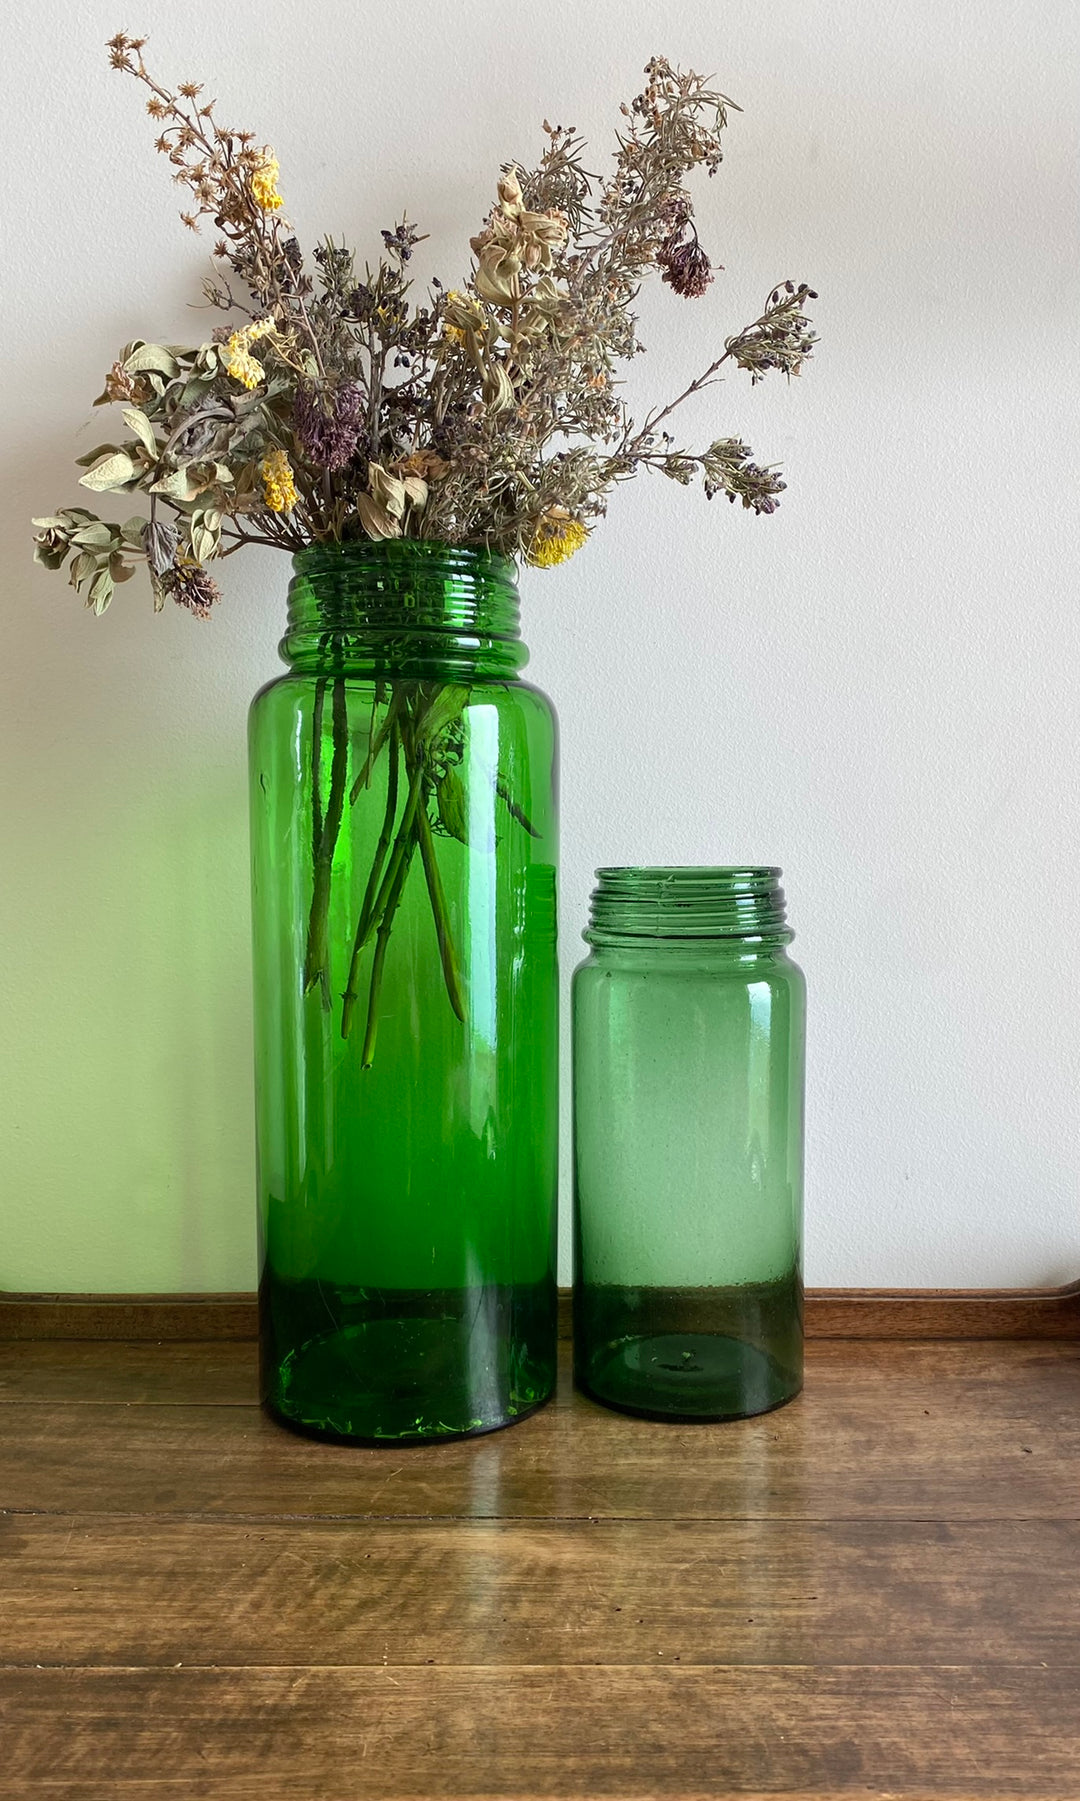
[(157, 1593), (869, 1593), (98, 1372), (225, 1372), (323, 1734), (896, 1431), (942, 1313)]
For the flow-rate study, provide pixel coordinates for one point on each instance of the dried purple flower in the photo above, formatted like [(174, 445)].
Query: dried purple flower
[(327, 423), (191, 587), (402, 241), (686, 267)]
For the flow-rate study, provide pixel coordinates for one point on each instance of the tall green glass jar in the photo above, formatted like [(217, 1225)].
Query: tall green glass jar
[(688, 1145), (403, 831)]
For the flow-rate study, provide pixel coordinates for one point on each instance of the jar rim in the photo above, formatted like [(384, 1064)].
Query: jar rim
[(404, 604), (728, 874), (632, 903), (387, 551)]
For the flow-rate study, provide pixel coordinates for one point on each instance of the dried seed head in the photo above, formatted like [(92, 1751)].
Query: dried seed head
[(686, 268), (190, 586)]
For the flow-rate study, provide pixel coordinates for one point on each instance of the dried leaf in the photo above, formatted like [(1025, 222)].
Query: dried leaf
[(159, 542), (112, 472), (152, 357), (374, 520), (93, 456), (101, 591), (182, 484), (136, 421), (94, 536), (498, 389), (388, 491), (450, 799), (447, 706), (194, 389), (205, 538), (51, 556)]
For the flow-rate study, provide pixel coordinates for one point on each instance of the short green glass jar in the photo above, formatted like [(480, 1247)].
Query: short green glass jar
[(688, 1035)]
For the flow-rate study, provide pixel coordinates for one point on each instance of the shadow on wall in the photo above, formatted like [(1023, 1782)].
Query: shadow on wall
[(126, 1038)]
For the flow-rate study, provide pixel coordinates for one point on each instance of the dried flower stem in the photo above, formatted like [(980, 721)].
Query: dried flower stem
[(316, 961), (367, 907)]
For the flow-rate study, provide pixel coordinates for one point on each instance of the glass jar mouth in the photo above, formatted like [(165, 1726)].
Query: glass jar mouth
[(374, 602), (386, 560), (637, 903), (726, 876)]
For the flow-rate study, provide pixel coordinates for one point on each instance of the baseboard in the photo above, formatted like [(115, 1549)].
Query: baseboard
[(941, 1313), (928, 1313)]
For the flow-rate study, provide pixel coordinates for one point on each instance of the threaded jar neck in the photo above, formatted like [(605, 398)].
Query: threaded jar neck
[(404, 606), (636, 907)]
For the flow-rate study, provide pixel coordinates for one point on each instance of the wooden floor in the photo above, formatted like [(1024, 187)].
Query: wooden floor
[(873, 1592)]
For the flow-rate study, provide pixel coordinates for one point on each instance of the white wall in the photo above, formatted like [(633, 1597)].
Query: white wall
[(876, 688)]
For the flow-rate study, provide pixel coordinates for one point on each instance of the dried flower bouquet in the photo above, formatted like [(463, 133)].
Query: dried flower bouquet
[(329, 408)]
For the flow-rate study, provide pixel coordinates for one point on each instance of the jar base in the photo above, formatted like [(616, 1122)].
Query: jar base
[(687, 1377), (408, 1441), (410, 1376)]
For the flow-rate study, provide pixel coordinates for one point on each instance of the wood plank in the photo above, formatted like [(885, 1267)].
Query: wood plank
[(152, 1593), (946, 1313), (305, 1734), (962, 1431)]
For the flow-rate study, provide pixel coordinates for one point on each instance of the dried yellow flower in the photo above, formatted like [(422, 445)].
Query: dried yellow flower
[(555, 538), (244, 368), (463, 314), (279, 488), (264, 186), (237, 357)]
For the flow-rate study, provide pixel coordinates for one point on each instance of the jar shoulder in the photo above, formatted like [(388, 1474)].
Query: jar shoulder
[(292, 693), (685, 967)]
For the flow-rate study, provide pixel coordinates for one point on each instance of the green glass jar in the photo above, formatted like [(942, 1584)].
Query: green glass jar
[(688, 1026), (403, 832)]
